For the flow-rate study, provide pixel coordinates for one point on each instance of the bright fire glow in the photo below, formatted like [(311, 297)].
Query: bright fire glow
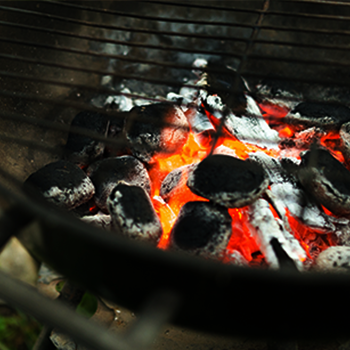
[(241, 240)]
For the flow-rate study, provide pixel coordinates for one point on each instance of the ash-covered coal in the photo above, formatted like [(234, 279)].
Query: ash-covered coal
[(314, 114), (133, 214), (228, 181), (159, 128), (334, 259), (202, 228), (107, 173), (62, 183), (82, 149), (327, 180), (344, 134)]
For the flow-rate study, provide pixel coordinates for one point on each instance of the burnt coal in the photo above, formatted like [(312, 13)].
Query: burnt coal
[(228, 85), (344, 134), (327, 180), (133, 214), (159, 128), (175, 181), (228, 181), (81, 149), (202, 228), (107, 173), (62, 183), (98, 220), (326, 115), (334, 259)]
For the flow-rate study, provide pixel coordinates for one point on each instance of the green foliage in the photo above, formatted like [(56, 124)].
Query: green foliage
[(87, 306), (18, 332)]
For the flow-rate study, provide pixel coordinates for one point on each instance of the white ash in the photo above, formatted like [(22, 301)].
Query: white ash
[(71, 197), (236, 258), (100, 219), (291, 196), (225, 151), (344, 134), (334, 259), (267, 227), (123, 102)]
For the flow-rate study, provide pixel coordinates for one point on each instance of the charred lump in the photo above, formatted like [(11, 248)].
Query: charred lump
[(228, 181)]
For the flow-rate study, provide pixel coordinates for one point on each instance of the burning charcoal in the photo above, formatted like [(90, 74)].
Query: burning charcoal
[(267, 228), (345, 140), (133, 213), (236, 258), (175, 181), (277, 97), (250, 127), (228, 85), (228, 181), (159, 128), (81, 149), (99, 220), (288, 193), (334, 259), (327, 180), (326, 115), (202, 228), (200, 124), (62, 183), (107, 173)]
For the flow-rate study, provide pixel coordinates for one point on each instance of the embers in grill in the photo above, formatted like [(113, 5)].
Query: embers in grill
[(82, 149), (62, 183), (203, 229), (327, 180), (325, 115), (107, 173), (156, 128), (133, 214), (228, 181)]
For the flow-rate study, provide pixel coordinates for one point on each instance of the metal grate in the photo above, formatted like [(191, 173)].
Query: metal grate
[(55, 55)]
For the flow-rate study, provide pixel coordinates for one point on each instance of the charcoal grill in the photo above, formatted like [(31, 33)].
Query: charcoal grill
[(54, 56)]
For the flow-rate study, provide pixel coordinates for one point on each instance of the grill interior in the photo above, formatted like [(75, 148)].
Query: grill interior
[(60, 58)]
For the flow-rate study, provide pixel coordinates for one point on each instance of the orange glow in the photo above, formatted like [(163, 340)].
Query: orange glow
[(273, 112), (241, 239), (332, 142), (286, 132)]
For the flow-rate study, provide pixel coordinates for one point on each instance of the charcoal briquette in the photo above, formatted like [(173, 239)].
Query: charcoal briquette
[(105, 174), (326, 115), (82, 149), (159, 128), (327, 180), (133, 214), (202, 228), (62, 183), (334, 259), (228, 181)]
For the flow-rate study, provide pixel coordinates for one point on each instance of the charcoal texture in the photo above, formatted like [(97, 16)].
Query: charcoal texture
[(133, 214), (156, 128), (326, 115), (82, 149), (327, 180), (107, 173), (62, 183), (202, 228), (228, 181)]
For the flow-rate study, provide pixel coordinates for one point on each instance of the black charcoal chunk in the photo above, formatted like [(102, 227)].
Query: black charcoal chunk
[(62, 183), (327, 180), (326, 115), (175, 181), (228, 181), (159, 128), (228, 85), (82, 149), (133, 214), (344, 134), (105, 174), (202, 228)]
